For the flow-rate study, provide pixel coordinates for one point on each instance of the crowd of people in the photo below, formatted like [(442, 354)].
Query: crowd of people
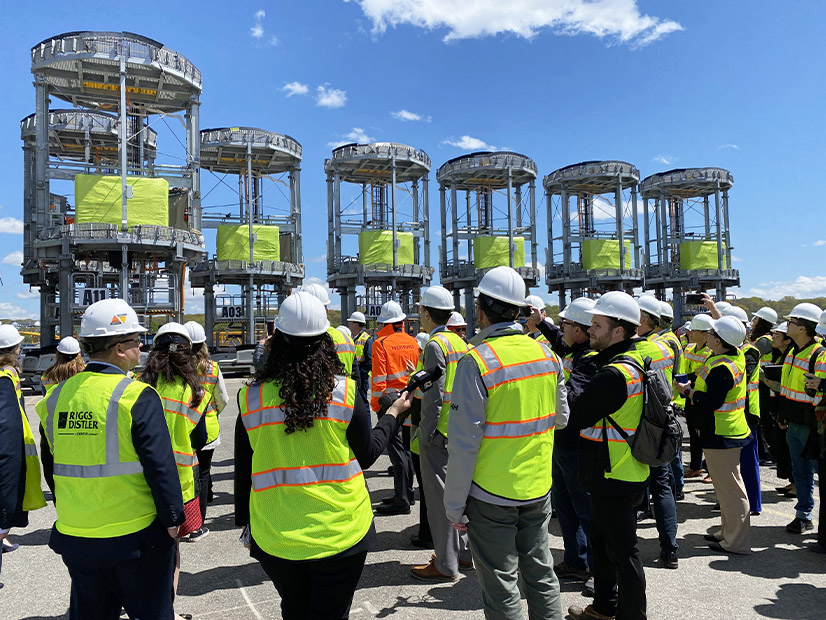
[(501, 430)]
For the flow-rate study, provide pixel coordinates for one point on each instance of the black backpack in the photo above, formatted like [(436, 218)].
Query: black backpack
[(659, 434)]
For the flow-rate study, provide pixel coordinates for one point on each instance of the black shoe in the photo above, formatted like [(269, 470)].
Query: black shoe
[(754, 513), (716, 546), (669, 559), (716, 507), (392, 509), (389, 501), (642, 515), (680, 496), (817, 548), (711, 538), (390, 471), (588, 588), (422, 543), (798, 526)]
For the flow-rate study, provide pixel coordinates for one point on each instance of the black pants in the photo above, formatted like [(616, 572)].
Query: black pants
[(695, 449), (424, 525), (397, 450), (821, 520), (142, 586), (617, 564), (317, 590), (204, 467)]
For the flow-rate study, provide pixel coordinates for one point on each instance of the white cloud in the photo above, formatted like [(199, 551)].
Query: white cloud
[(15, 258), (10, 311), (11, 225), (469, 143), (406, 115), (801, 288), (273, 40), (664, 159), (736, 259), (319, 259), (819, 242), (356, 135), (257, 31), (260, 14), (330, 97), (295, 88), (733, 147), (32, 293), (617, 21)]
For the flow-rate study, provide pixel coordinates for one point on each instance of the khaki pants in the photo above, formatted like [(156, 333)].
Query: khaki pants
[(724, 469)]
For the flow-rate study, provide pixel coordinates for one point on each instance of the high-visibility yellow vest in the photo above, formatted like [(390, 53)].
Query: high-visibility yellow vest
[(345, 349), (208, 381), (100, 489), (360, 342), (693, 358), (309, 499), (453, 348), (793, 377), (669, 339), (47, 384), (765, 358), (624, 466), (568, 363), (661, 356), (181, 419), (520, 376), (730, 418), (32, 492), (753, 382)]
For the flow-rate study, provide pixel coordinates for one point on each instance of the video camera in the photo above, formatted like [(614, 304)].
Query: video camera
[(421, 379)]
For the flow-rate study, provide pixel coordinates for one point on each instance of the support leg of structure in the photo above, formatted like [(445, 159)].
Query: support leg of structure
[(66, 297), (470, 312), (46, 324), (209, 314), (250, 313)]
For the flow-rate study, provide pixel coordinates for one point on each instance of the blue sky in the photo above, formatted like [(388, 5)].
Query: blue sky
[(734, 84)]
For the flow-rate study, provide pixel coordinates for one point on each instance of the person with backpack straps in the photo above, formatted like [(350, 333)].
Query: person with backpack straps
[(609, 470)]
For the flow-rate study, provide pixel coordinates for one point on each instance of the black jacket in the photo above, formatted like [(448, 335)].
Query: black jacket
[(12, 459)]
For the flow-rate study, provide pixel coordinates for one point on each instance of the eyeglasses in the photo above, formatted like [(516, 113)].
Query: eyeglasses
[(712, 333), (136, 341), (795, 322)]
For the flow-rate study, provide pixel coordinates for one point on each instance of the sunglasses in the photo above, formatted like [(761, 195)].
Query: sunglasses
[(134, 341)]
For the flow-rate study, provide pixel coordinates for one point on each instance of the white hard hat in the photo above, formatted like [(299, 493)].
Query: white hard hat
[(686, 326), (172, 332), (69, 346), (503, 284), (737, 312), (730, 329), (358, 317), (577, 311), (701, 323), (650, 304), (197, 334), (617, 305), (806, 312), (109, 317), (782, 328), (422, 338), (821, 324), (456, 320), (438, 298), (536, 301), (9, 336), (302, 314), (344, 330), (391, 312), (317, 291), (666, 311), (767, 314), (722, 305)]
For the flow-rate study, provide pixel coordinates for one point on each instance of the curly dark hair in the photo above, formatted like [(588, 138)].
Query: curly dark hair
[(304, 369), (167, 365)]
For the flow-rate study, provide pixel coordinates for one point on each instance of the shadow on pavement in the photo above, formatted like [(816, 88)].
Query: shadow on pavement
[(36, 537), (221, 578), (63, 617), (795, 601)]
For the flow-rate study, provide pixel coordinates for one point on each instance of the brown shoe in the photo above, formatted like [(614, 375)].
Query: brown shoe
[(577, 613), (707, 480), (429, 572), (694, 473)]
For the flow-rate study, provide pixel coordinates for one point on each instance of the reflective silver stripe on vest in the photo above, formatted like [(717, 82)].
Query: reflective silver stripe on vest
[(740, 403), (452, 356), (402, 374), (186, 460), (97, 471), (112, 439), (337, 409), (176, 406), (485, 351), (51, 405), (594, 433), (345, 347), (300, 476), (520, 371), (30, 449), (522, 428), (800, 397)]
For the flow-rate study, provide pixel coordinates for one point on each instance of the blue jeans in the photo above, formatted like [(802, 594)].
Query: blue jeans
[(750, 471), (573, 508), (678, 473), (661, 487), (803, 470)]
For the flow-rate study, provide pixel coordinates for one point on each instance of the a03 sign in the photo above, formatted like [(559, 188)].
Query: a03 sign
[(228, 313), (88, 296)]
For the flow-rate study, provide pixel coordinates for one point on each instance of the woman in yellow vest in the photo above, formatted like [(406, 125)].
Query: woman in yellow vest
[(301, 442), (719, 395), (68, 362), (19, 468)]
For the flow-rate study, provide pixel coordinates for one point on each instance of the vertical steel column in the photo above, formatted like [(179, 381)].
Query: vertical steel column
[(470, 311), (443, 247), (549, 251), (455, 223), (728, 229), (41, 157), (209, 314), (337, 216), (532, 207), (141, 153), (66, 292), (193, 157), (511, 248), (620, 229), (518, 206), (426, 220), (566, 232), (664, 220), (414, 193), (393, 209), (707, 217), (251, 285), (365, 211), (298, 236), (467, 223), (719, 216), (636, 228), (250, 314), (122, 144), (659, 234), (46, 320), (646, 265), (330, 228)]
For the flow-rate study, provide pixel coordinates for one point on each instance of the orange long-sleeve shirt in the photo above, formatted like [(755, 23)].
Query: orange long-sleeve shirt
[(391, 352)]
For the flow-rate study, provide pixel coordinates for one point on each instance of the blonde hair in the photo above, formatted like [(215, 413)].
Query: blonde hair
[(65, 367), (8, 357), (202, 358)]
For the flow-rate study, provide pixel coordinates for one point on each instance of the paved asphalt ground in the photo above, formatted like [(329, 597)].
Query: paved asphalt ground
[(781, 579)]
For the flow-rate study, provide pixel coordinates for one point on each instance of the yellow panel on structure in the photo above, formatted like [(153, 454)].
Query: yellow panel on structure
[(604, 254), (493, 252), (234, 243), (98, 200), (700, 255), (376, 246)]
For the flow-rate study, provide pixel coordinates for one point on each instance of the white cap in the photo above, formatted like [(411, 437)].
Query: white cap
[(437, 297), (650, 304), (109, 317), (701, 323), (781, 328), (358, 317), (171, 330), (730, 329), (767, 314), (422, 338), (9, 336), (577, 311), (821, 324), (391, 312), (503, 284), (805, 312), (456, 320), (617, 305), (317, 291), (666, 311), (68, 346), (197, 334), (302, 314), (737, 312), (536, 301)]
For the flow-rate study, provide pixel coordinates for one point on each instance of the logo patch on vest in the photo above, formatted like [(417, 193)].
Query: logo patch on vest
[(77, 420)]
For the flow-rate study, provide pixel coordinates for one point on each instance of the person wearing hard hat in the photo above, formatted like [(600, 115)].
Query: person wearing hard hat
[(393, 350), (363, 341), (457, 324), (530, 322), (19, 468), (796, 409), (760, 336), (115, 483), (781, 345), (508, 393), (693, 359), (615, 479), (302, 441), (216, 397), (345, 347), (818, 383), (569, 497), (719, 394), (68, 362), (442, 350), (664, 486)]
